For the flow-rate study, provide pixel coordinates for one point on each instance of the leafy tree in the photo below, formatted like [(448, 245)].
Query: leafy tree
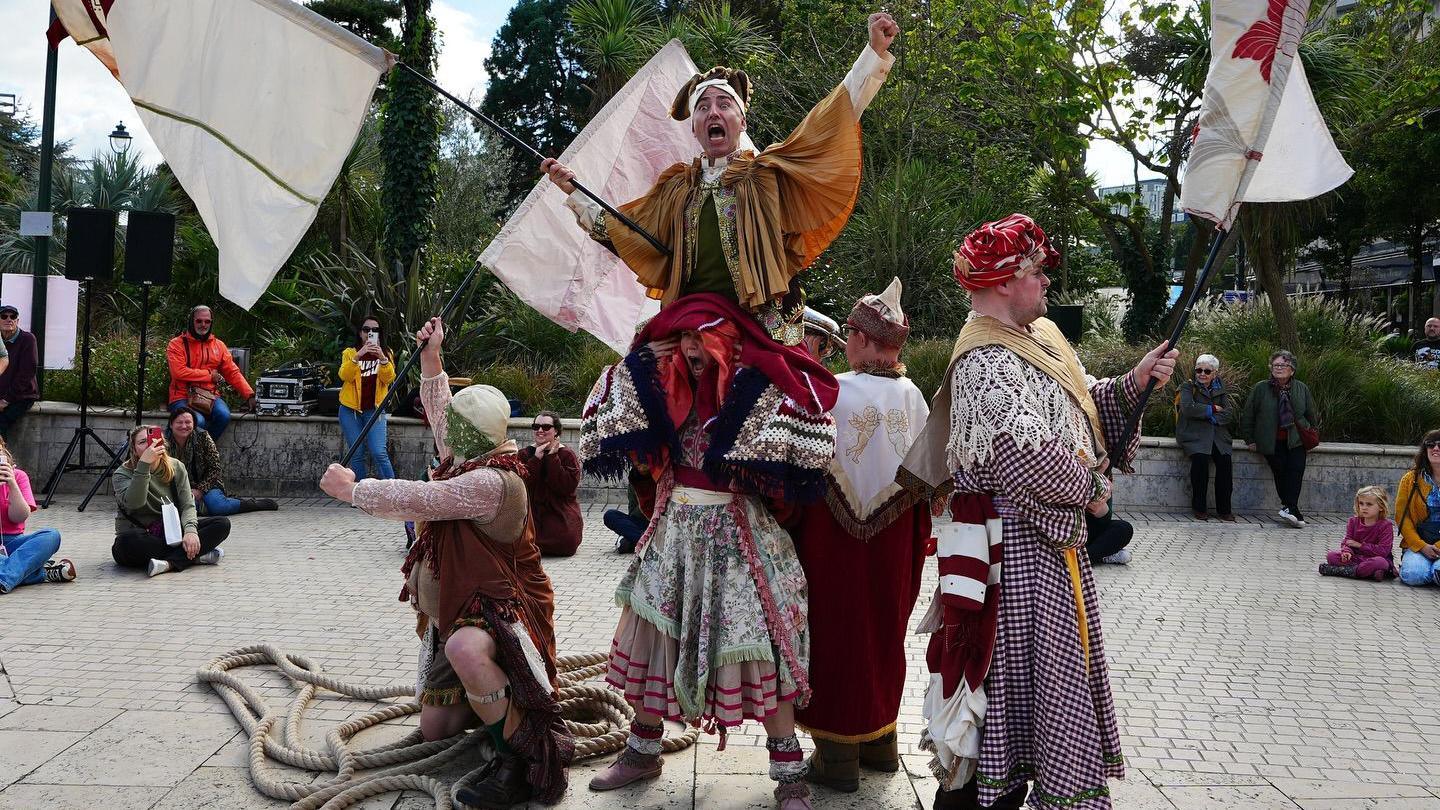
[(1403, 191), (369, 19), (410, 143), (1340, 235), (536, 87)]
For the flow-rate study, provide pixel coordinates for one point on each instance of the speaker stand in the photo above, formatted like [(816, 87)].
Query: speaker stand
[(84, 431), (139, 397)]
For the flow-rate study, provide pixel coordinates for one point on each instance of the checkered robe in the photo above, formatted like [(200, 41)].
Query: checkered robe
[(1047, 719)]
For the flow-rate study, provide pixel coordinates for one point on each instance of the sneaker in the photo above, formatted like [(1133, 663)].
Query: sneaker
[(212, 557), (1286, 516), (1121, 557), (158, 567), (629, 767), (62, 571)]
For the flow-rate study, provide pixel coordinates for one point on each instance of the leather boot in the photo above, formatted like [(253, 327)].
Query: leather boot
[(882, 754), (258, 505), (630, 766), (834, 765), (507, 783)]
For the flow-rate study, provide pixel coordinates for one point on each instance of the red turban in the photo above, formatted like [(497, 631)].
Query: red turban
[(996, 252)]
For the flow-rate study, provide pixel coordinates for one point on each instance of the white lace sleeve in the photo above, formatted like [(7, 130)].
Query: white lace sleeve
[(475, 494), (434, 397), (992, 394)]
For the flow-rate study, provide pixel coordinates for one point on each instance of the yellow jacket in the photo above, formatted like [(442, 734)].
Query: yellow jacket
[(350, 380), (1419, 511)]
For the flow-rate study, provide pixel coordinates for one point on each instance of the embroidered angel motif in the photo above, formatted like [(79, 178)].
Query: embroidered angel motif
[(897, 429), (864, 424)]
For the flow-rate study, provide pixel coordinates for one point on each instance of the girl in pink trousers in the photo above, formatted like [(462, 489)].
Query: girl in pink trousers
[(1368, 550)]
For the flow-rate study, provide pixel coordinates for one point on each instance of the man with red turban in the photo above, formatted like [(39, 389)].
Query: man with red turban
[(1019, 690)]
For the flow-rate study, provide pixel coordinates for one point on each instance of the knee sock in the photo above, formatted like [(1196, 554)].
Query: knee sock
[(645, 739), (497, 733), (787, 761)]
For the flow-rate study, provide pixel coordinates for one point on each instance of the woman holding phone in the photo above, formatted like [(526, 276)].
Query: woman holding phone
[(25, 558), (145, 485), (366, 372)]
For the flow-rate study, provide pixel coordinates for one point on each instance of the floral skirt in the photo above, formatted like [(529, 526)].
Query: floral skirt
[(714, 624)]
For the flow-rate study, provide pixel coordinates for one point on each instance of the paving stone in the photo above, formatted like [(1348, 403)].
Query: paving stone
[(69, 797), (1167, 778), (56, 718), (1251, 797), (217, 789), (23, 751), (1430, 803), (1315, 789), (139, 748)]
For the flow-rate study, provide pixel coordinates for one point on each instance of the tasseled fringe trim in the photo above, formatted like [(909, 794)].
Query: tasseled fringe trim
[(850, 739), (442, 697), (877, 522)]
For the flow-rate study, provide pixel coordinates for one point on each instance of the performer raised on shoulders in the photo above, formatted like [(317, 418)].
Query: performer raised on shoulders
[(1019, 688), (738, 222)]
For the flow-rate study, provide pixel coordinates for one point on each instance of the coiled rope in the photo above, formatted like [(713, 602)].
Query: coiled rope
[(597, 716)]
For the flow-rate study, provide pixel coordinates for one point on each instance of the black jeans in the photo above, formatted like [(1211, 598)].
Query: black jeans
[(11, 414), (135, 548), (1107, 535), (627, 526), (1288, 465), (1200, 481)]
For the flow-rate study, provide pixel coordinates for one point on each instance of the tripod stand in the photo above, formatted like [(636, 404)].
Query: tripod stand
[(139, 397), (84, 431)]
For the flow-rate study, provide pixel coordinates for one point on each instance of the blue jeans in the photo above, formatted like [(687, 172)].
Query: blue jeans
[(217, 504), (351, 421), (215, 423), (27, 555), (1415, 569)]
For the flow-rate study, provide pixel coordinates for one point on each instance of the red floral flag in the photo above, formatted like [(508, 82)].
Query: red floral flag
[(1260, 137)]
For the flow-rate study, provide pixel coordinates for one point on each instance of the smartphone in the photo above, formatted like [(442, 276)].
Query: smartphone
[(373, 339), (156, 434)]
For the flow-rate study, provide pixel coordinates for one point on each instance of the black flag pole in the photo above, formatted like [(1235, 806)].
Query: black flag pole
[(525, 147), (1219, 249)]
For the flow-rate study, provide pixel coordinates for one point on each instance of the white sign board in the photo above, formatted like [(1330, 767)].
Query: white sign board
[(62, 313), (37, 223)]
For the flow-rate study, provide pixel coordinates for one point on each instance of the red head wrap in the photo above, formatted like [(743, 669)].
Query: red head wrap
[(996, 252)]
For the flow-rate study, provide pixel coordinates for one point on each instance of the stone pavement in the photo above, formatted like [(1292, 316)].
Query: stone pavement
[(1242, 678)]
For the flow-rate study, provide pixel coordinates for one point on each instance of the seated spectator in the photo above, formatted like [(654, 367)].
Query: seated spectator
[(1427, 349), (366, 372), (1108, 537), (18, 361), (147, 480), (196, 450), (1368, 550), (26, 558), (554, 475), (199, 362), (632, 523), (1202, 429), (1418, 516)]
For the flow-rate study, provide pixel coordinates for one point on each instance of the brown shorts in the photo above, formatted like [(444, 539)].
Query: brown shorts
[(439, 684)]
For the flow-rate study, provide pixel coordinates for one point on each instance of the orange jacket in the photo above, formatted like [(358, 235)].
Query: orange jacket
[(191, 362)]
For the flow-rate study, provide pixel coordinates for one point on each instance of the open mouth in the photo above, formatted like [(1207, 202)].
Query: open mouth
[(715, 133)]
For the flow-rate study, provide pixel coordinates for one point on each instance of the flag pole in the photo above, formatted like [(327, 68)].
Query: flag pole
[(1219, 250), (525, 147), (409, 364)]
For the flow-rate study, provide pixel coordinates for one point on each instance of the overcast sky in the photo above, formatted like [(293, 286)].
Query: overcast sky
[(89, 101)]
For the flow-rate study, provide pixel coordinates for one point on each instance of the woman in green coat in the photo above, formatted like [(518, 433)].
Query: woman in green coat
[(1275, 412)]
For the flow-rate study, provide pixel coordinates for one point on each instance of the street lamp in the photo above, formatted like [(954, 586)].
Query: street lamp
[(120, 139)]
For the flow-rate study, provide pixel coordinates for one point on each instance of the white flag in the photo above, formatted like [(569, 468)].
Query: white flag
[(254, 104), (554, 266), (1260, 137)]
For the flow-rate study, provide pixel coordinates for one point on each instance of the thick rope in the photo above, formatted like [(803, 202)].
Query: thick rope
[(597, 716)]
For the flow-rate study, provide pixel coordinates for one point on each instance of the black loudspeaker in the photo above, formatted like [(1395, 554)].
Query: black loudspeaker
[(1070, 318), (89, 243), (149, 247)]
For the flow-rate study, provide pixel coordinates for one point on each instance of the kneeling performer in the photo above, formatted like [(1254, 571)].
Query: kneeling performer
[(486, 608)]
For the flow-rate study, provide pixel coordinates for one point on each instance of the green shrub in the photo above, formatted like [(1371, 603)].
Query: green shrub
[(114, 372), (926, 362)]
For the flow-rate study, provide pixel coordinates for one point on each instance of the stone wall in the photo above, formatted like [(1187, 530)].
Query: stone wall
[(284, 456)]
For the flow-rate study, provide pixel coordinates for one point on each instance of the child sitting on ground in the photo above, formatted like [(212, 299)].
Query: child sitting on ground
[(1368, 550)]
